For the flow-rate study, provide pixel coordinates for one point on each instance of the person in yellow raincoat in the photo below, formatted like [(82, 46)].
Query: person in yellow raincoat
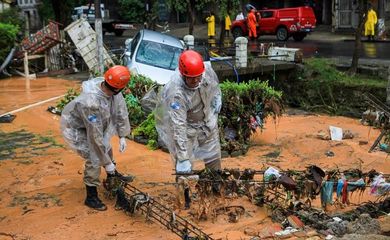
[(210, 25), (369, 26), (228, 23)]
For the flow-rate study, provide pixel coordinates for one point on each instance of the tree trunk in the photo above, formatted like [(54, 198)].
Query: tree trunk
[(222, 32), (99, 38), (388, 87), (191, 11), (358, 35)]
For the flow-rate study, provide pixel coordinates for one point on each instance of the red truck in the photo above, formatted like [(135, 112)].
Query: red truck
[(284, 23)]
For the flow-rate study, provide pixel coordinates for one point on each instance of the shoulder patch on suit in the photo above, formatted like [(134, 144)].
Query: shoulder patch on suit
[(175, 105), (92, 118)]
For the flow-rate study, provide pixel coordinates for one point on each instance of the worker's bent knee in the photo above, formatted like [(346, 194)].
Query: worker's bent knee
[(214, 165)]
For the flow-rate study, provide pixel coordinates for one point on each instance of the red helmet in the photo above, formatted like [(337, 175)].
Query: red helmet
[(117, 76), (191, 64)]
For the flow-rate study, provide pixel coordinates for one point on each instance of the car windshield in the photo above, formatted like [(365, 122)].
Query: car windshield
[(158, 55)]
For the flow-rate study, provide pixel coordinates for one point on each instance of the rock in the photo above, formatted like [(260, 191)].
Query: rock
[(236, 153), (347, 134), (363, 142), (225, 154), (140, 139), (329, 154), (323, 135), (250, 231)]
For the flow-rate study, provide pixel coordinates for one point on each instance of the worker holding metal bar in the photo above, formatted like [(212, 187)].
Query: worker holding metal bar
[(187, 114), (90, 121)]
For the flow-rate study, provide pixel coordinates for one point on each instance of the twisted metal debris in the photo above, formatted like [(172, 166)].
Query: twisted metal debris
[(130, 199)]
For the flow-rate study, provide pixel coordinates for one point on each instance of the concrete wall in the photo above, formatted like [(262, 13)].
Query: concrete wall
[(29, 9), (3, 6)]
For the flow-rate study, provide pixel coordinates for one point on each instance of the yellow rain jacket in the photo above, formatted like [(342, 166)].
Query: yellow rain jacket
[(210, 26), (369, 26), (228, 23)]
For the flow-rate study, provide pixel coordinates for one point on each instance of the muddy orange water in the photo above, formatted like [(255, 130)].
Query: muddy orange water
[(42, 197)]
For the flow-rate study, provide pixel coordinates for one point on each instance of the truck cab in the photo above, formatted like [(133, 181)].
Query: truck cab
[(109, 25), (284, 23)]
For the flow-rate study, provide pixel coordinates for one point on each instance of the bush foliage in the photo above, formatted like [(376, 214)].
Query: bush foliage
[(320, 86), (8, 33), (245, 106)]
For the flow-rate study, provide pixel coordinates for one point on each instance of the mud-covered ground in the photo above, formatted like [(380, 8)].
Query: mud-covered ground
[(41, 188)]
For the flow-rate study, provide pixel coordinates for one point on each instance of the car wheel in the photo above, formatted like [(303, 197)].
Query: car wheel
[(118, 33), (282, 34), (299, 36), (237, 32)]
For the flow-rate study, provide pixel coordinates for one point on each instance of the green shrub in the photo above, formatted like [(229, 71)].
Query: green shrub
[(132, 10), (245, 106), (320, 86), (12, 16), (8, 33), (69, 96), (147, 129), (137, 87)]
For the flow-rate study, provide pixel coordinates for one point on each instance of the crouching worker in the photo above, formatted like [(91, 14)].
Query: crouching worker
[(90, 121), (187, 114)]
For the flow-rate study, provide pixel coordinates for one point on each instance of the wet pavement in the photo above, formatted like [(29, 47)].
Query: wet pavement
[(320, 43)]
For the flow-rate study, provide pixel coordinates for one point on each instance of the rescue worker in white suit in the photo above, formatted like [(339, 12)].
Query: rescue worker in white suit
[(187, 114), (90, 121)]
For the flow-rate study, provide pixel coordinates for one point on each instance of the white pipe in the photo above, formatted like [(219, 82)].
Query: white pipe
[(32, 105)]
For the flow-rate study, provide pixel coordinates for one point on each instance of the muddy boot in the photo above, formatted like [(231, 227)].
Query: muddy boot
[(93, 200), (128, 178)]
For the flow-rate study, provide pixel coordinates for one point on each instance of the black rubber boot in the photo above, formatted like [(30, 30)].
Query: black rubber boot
[(93, 200), (187, 198), (128, 178)]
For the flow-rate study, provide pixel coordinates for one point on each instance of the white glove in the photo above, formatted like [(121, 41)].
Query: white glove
[(110, 168), (122, 144), (183, 166)]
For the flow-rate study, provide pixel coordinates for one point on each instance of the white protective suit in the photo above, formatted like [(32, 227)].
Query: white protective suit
[(187, 119), (90, 121)]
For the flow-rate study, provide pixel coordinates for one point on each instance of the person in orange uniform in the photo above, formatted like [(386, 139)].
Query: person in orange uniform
[(252, 22)]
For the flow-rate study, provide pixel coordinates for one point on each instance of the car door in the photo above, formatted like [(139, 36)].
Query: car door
[(267, 21)]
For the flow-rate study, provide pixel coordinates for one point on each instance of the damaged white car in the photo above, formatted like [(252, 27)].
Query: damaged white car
[(153, 54)]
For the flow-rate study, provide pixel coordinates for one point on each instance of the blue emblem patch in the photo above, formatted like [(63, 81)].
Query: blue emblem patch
[(175, 105), (92, 118)]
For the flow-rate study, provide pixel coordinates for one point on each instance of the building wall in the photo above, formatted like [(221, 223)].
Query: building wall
[(29, 9), (4, 6)]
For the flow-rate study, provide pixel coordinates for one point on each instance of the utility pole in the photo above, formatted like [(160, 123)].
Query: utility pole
[(99, 38)]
